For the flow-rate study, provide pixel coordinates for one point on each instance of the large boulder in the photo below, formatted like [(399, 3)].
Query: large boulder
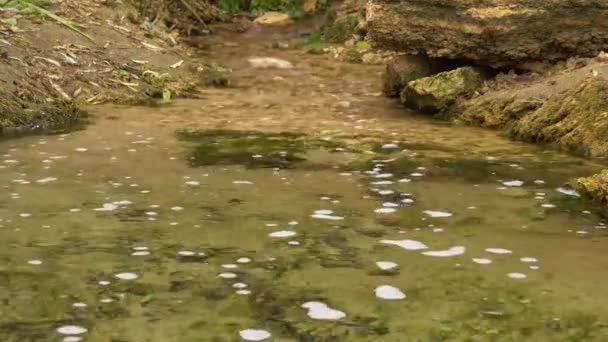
[(439, 93), (497, 33)]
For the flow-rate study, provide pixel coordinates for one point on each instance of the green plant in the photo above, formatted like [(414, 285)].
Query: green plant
[(28, 7)]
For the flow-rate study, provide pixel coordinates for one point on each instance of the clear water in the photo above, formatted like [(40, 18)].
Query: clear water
[(112, 230)]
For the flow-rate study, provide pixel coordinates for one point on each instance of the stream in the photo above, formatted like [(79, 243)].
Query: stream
[(297, 205)]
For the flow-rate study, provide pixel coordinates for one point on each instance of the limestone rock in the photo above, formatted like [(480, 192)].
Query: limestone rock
[(401, 70), (568, 110), (496, 33), (274, 18), (595, 187), (438, 93)]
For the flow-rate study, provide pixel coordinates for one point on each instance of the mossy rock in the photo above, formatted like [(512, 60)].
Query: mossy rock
[(576, 121), (595, 187), (438, 93)]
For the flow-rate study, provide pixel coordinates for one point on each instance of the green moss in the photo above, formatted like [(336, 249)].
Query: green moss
[(223, 147), (341, 30), (438, 93), (50, 118)]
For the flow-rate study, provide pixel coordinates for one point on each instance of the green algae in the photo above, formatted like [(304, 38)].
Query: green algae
[(251, 149)]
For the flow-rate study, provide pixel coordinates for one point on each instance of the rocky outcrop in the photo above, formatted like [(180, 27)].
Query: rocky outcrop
[(568, 111), (595, 187), (438, 93), (496, 33)]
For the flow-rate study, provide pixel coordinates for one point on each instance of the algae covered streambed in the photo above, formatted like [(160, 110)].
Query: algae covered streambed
[(297, 206)]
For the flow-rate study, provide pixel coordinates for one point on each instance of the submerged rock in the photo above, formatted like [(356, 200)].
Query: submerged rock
[(496, 33), (269, 63), (438, 93)]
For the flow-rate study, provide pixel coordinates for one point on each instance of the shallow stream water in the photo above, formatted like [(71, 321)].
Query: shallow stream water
[(298, 205)]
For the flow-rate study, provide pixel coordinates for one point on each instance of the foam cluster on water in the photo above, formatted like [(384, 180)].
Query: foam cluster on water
[(320, 311)]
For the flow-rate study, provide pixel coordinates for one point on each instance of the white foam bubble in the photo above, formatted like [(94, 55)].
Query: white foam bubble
[(242, 182), (283, 234), (513, 183), (46, 180), (323, 212), (498, 251), (227, 275), (239, 285), (386, 265), (437, 214), (454, 251), (243, 260), (230, 266), (319, 310), (126, 276), (529, 260), (389, 293), (568, 192), (410, 245), (327, 217), (385, 210), (390, 146), (254, 334), (482, 261), (186, 253), (71, 330), (35, 262), (516, 275)]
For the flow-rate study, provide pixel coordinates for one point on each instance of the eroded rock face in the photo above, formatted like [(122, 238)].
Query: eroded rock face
[(568, 111), (438, 93), (496, 33)]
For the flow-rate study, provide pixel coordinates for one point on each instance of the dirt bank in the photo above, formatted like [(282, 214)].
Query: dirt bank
[(112, 53)]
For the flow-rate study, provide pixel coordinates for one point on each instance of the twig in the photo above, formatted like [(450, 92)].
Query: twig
[(185, 3)]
